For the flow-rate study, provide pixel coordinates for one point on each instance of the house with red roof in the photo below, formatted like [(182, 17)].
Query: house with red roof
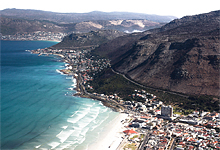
[(128, 132)]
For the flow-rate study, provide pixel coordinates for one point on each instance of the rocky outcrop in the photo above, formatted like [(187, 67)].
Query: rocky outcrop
[(120, 25), (90, 39)]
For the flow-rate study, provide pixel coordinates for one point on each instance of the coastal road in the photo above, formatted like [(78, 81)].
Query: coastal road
[(144, 142), (173, 141), (82, 89)]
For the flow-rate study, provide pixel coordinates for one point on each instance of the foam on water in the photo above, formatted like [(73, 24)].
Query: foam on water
[(64, 134), (71, 89), (64, 127), (53, 144), (79, 115), (57, 70), (83, 124), (37, 146)]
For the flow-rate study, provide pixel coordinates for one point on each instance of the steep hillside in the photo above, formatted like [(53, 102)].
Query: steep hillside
[(117, 48), (182, 56), (93, 38)]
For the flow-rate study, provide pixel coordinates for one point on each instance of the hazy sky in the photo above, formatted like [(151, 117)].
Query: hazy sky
[(178, 8)]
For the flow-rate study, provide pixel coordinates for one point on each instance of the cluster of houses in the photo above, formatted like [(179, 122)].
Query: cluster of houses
[(144, 102), (112, 97), (78, 62), (165, 134), (38, 35), (195, 131), (193, 137), (158, 139), (146, 122), (175, 134)]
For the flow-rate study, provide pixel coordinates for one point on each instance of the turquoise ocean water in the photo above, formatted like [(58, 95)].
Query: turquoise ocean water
[(38, 110)]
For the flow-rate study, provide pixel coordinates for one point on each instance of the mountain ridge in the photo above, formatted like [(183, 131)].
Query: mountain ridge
[(186, 19), (88, 40), (182, 58)]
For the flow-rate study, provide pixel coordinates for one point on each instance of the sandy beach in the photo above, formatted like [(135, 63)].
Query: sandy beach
[(111, 137)]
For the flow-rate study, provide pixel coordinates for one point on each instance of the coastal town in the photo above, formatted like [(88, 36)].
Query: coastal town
[(35, 36), (149, 124)]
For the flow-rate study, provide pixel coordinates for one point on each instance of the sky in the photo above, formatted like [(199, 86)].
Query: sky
[(178, 8)]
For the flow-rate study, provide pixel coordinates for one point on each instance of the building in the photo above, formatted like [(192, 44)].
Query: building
[(167, 111)]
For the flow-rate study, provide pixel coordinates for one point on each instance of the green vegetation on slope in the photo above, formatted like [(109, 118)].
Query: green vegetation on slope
[(108, 83)]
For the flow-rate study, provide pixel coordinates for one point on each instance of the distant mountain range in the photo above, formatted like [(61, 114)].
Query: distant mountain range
[(19, 21), (80, 17), (11, 26)]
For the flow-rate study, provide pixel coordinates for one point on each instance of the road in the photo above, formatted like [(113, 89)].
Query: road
[(173, 141), (149, 87), (114, 104), (144, 142)]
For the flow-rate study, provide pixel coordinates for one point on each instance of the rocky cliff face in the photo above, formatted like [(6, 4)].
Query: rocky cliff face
[(121, 25), (182, 56)]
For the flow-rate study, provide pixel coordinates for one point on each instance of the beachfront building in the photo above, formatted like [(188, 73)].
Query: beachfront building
[(167, 111)]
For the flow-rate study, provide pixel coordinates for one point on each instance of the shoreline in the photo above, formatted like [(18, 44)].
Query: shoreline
[(80, 88), (81, 92), (111, 137), (33, 40)]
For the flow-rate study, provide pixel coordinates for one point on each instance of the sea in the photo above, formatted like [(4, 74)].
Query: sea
[(38, 109)]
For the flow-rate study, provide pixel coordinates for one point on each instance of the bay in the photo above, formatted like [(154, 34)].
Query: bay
[(38, 110)]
